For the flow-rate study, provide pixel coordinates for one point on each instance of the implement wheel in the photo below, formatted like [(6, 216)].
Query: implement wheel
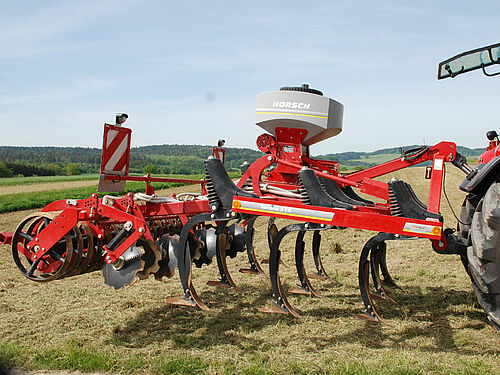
[(484, 253)]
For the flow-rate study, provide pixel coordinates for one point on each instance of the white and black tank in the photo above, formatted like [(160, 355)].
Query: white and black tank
[(300, 108)]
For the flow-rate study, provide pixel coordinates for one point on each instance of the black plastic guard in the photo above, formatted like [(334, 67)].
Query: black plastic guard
[(223, 185), (349, 191), (404, 202), (315, 192), (480, 179), (332, 188)]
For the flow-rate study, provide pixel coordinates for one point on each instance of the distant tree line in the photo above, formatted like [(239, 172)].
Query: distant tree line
[(158, 159)]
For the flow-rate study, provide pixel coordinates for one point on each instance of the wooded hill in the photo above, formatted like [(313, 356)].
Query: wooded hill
[(163, 159)]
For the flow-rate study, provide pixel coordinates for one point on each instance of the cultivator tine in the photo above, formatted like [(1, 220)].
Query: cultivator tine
[(365, 266), (370, 312), (272, 232), (255, 268), (388, 280), (380, 292), (305, 286), (190, 299), (281, 304), (320, 273)]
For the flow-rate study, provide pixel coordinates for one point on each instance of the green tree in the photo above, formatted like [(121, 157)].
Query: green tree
[(150, 169), (72, 169), (4, 171)]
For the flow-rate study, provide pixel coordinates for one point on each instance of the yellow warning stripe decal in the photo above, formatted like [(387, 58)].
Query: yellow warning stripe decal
[(282, 213), (289, 114)]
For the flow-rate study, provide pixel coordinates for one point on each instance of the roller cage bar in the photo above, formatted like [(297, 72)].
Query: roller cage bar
[(475, 59)]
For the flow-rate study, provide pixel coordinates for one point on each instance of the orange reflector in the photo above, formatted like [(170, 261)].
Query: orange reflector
[(436, 231), (236, 204)]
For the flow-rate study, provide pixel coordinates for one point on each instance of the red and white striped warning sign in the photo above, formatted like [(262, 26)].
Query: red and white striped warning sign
[(115, 157), (115, 150)]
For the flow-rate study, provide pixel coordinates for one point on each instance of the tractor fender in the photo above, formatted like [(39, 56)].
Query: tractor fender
[(479, 180)]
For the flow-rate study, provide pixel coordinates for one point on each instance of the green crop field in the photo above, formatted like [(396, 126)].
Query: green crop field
[(78, 324)]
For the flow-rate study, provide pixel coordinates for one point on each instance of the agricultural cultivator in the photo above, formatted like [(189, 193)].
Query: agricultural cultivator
[(140, 235)]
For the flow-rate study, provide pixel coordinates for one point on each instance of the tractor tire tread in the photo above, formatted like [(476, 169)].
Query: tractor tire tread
[(483, 254)]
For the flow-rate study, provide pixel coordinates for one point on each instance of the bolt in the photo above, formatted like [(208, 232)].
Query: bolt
[(233, 214), (34, 256), (322, 225), (212, 216), (141, 230), (36, 239), (43, 248), (108, 257), (36, 248), (228, 214), (28, 247), (269, 158), (99, 236), (128, 225), (214, 207)]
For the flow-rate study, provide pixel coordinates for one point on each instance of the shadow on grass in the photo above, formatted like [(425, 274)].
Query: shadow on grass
[(430, 311), (190, 327)]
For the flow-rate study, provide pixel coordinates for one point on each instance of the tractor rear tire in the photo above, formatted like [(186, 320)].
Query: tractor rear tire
[(484, 253)]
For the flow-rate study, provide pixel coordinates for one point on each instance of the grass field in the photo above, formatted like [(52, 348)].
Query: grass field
[(79, 324), (16, 181), (36, 195)]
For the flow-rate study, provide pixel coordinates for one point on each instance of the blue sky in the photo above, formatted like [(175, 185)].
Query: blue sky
[(188, 71)]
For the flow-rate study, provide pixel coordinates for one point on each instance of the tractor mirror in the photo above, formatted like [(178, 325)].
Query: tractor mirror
[(491, 135)]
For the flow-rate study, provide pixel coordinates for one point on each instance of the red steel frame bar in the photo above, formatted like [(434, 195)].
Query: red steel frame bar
[(151, 179), (334, 216)]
